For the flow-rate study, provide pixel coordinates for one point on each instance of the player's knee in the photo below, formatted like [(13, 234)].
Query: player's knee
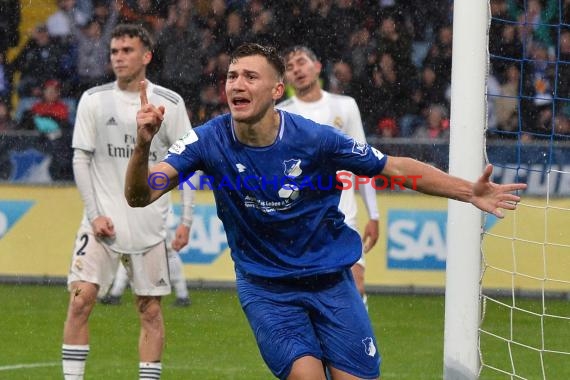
[(81, 302), (149, 309)]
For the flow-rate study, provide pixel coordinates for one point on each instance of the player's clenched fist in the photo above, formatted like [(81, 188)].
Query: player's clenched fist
[(149, 117)]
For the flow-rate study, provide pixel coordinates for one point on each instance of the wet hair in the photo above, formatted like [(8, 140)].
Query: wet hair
[(132, 31), (269, 52), (299, 49)]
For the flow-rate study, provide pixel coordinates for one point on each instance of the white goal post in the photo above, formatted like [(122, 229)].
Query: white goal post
[(466, 159)]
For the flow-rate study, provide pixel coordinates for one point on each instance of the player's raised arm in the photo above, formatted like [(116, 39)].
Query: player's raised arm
[(143, 185), (483, 194)]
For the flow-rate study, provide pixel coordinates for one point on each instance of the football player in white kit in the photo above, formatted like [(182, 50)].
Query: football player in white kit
[(302, 71), (104, 138)]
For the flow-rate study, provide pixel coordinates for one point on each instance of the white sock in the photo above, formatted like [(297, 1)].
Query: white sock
[(73, 359), (120, 282), (150, 371), (177, 279)]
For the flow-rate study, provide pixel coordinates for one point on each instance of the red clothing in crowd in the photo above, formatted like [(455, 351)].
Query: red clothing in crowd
[(57, 110)]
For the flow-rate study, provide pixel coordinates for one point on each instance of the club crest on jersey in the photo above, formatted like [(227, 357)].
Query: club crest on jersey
[(369, 346), (359, 148), (292, 167)]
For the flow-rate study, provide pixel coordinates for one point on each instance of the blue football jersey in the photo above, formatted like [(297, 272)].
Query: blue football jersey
[(279, 203)]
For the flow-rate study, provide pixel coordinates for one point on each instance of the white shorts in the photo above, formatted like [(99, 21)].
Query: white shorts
[(95, 262)]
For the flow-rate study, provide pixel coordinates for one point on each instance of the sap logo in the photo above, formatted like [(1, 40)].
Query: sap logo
[(207, 239), (416, 239), (11, 212)]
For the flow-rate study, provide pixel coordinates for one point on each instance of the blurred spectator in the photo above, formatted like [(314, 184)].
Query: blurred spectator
[(6, 77), (384, 100), (506, 105), (177, 53), (320, 33), (360, 49), (213, 76), (347, 17), (436, 125), (538, 86), (563, 80), (540, 125), (51, 105), (234, 34), (60, 24), (507, 46), (387, 128), (426, 18), (493, 93), (7, 123), (210, 14), (50, 116), (10, 15), (209, 104), (392, 38), (38, 61), (151, 14), (262, 30), (562, 127), (439, 54), (92, 43), (433, 86), (534, 19), (291, 14), (102, 10), (340, 82)]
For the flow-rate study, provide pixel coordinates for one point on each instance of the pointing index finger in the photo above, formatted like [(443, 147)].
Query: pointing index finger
[(142, 88)]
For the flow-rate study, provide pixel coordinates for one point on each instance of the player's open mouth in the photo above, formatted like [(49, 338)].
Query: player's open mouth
[(240, 102)]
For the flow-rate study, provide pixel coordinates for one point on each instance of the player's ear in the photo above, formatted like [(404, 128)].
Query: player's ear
[(318, 66), (278, 90), (147, 57)]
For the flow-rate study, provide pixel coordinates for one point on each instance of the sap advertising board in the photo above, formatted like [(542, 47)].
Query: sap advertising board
[(207, 236), (417, 239), (11, 212)]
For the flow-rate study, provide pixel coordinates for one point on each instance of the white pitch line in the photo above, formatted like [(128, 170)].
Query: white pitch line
[(31, 365)]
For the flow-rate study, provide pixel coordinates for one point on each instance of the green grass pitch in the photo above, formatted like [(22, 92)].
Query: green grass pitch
[(211, 339)]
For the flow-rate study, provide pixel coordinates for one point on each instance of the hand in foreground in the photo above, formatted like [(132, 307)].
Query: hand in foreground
[(370, 236), (180, 237), (491, 197), (103, 227), (149, 117)]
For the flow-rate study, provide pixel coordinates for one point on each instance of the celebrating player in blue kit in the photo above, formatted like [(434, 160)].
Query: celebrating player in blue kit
[(291, 248)]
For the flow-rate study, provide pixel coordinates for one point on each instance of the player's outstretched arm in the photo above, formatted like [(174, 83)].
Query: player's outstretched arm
[(484, 194), (143, 185)]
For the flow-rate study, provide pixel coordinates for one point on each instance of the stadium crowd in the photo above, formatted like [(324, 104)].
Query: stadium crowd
[(392, 56)]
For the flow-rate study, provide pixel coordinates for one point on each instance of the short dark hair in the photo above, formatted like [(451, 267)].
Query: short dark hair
[(269, 52), (132, 31), (299, 48)]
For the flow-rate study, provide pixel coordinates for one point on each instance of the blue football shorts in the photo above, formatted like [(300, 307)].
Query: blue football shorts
[(321, 316)]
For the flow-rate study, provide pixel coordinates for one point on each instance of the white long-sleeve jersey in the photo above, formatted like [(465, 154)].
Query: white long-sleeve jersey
[(106, 128)]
